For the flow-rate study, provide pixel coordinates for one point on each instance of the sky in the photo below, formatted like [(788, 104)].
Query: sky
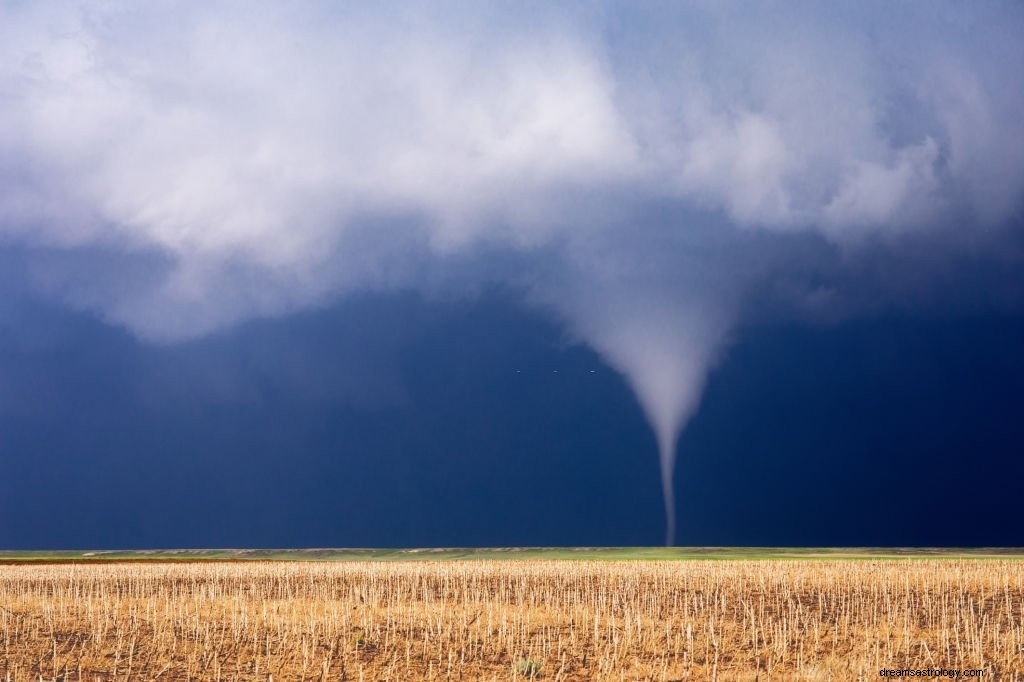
[(293, 275)]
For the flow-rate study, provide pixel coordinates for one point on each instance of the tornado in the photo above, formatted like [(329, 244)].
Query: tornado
[(666, 362), (663, 341), (667, 374)]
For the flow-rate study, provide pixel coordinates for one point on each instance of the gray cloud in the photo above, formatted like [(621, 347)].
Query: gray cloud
[(643, 172)]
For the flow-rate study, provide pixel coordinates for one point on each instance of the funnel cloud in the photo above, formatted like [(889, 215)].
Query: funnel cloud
[(665, 354), (653, 177)]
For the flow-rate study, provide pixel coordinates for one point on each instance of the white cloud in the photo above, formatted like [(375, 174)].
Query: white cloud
[(878, 196), (261, 134)]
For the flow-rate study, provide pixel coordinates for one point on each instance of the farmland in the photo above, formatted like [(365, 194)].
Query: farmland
[(492, 618)]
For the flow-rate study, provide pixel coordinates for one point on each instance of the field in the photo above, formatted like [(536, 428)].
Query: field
[(840, 616)]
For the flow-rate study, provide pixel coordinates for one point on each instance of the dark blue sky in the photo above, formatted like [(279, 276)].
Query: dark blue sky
[(390, 421), (292, 274)]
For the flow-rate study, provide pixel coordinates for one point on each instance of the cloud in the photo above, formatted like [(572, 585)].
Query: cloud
[(644, 172)]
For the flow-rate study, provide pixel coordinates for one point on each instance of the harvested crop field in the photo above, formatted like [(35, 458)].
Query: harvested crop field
[(506, 620)]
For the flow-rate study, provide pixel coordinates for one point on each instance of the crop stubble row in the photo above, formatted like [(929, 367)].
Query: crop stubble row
[(481, 620)]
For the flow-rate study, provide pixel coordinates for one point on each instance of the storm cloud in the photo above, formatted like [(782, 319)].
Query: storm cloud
[(652, 176)]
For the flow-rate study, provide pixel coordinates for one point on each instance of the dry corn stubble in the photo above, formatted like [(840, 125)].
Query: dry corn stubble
[(502, 620)]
